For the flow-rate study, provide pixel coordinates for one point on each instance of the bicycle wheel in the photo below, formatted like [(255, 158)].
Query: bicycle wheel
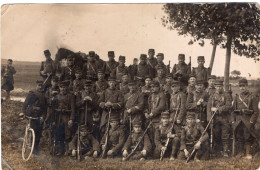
[(28, 144)]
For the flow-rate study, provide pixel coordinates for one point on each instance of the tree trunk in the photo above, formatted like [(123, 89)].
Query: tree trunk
[(227, 64), (213, 55)]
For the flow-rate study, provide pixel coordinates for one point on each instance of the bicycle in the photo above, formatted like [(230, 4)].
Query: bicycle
[(29, 140)]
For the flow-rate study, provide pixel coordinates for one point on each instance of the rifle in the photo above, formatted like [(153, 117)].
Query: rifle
[(78, 145), (234, 107), (107, 131), (86, 113), (168, 139), (211, 134), (194, 151), (190, 64), (136, 146)]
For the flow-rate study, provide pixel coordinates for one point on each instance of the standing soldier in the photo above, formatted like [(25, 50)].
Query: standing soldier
[(160, 75), (181, 69), (121, 69), (90, 68), (143, 70), (220, 102), (115, 139), (197, 102), (166, 88), (78, 83), (211, 85), (68, 72), (48, 66), (34, 106), (123, 86), (111, 99), (7, 73), (101, 85), (202, 73), (191, 84), (133, 69), (134, 104), (111, 64), (152, 62), (162, 133), (244, 118), (146, 90), (143, 148), (191, 138), (160, 58)]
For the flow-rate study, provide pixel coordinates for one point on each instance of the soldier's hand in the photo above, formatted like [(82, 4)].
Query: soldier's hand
[(186, 152), (73, 153), (102, 105), (170, 135), (144, 152), (95, 154), (41, 120), (198, 103), (178, 122), (197, 145), (213, 109), (103, 147), (125, 153), (163, 148), (70, 123), (146, 115), (42, 72), (110, 152), (129, 111)]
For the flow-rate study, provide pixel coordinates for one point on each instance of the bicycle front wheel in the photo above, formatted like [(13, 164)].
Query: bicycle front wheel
[(28, 144)]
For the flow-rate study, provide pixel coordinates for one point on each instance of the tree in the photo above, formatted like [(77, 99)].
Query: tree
[(235, 26), (235, 73)]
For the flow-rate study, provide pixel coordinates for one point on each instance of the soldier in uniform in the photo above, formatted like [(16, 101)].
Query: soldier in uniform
[(143, 70), (202, 73), (7, 73), (144, 147), (244, 118), (166, 88), (90, 68), (101, 85), (133, 69), (35, 106), (152, 62), (220, 102), (146, 90), (191, 139), (111, 99), (116, 137), (123, 86), (48, 66), (160, 58), (181, 69), (162, 133), (211, 85), (191, 84), (89, 145), (111, 64), (197, 102), (160, 75), (68, 72), (134, 105), (121, 69), (78, 83)]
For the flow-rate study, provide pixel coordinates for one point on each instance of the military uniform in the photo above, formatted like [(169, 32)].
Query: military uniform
[(133, 69), (181, 69), (7, 73), (35, 106), (142, 71), (244, 118), (120, 70), (211, 89), (78, 83), (90, 68), (191, 87), (68, 72), (110, 66), (48, 66), (201, 73), (222, 101), (123, 87), (152, 62)]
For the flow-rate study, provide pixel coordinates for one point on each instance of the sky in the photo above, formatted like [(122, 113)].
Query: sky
[(128, 29)]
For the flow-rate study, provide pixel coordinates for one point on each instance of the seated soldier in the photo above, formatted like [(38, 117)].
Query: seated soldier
[(115, 139), (162, 133), (191, 139), (132, 140), (89, 146)]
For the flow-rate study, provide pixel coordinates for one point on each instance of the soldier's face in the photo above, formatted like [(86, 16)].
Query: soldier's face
[(137, 129), (160, 73), (199, 87), (219, 88), (132, 88), (165, 121), (113, 124), (142, 61), (111, 57), (124, 78), (112, 84), (201, 63), (101, 76), (135, 62), (9, 63), (155, 89), (243, 88), (181, 60), (147, 82), (39, 87), (175, 88), (160, 59), (190, 122), (151, 53), (78, 75), (121, 62), (169, 80), (91, 58), (88, 88), (53, 83), (192, 80), (83, 133), (62, 90), (211, 82)]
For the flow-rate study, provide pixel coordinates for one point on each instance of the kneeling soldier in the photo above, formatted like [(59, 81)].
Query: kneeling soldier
[(191, 138), (113, 141), (162, 133), (89, 146), (143, 148)]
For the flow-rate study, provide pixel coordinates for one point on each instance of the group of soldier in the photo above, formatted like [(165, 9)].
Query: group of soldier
[(145, 110)]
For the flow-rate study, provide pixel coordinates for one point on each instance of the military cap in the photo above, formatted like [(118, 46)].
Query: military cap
[(121, 57), (132, 83), (192, 75), (111, 53), (91, 53), (87, 83), (169, 75), (83, 128), (135, 59), (160, 54), (190, 115), (155, 84), (147, 77), (39, 82), (47, 52), (111, 79), (10, 60), (114, 117), (219, 82), (212, 77), (143, 57), (100, 71), (243, 82), (200, 82), (175, 83), (181, 56), (151, 50), (55, 78), (165, 114), (201, 58), (137, 122)]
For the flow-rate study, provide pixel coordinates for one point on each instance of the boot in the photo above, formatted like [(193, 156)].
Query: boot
[(248, 155), (225, 150)]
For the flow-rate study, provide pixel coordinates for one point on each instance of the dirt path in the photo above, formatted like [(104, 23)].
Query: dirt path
[(13, 131)]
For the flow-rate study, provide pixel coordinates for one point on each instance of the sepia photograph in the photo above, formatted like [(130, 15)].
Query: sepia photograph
[(130, 86)]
